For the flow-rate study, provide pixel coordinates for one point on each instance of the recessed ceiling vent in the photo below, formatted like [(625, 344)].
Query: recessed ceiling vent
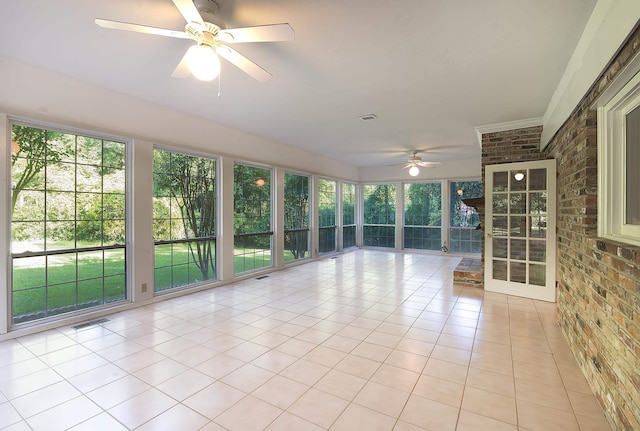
[(368, 117)]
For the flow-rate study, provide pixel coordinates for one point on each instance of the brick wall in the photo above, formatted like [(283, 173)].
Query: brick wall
[(598, 280)]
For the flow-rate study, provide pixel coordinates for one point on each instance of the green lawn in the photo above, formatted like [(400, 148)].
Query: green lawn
[(85, 281)]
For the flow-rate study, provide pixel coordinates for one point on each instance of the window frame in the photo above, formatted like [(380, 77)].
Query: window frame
[(216, 179), (126, 246), (620, 98)]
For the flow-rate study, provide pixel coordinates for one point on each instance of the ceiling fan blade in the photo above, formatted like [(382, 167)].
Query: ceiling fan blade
[(182, 70), (243, 63), (189, 11), (118, 25), (428, 164), (260, 33)]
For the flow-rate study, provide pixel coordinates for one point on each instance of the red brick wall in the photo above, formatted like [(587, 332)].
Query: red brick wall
[(598, 280)]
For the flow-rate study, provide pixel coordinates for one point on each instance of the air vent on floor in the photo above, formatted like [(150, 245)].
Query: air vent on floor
[(334, 257), (90, 323), (262, 277), (368, 117)]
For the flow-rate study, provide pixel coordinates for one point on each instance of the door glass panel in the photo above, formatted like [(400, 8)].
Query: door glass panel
[(518, 249), (518, 202), (500, 225), (500, 181), (538, 203), (518, 180), (518, 226), (500, 247), (537, 250), (518, 272), (538, 227), (632, 174), (538, 179), (500, 203), (537, 274), (500, 270)]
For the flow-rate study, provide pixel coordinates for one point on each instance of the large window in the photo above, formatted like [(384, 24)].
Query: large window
[(184, 219), (348, 215), (619, 158), (296, 216), (252, 218), (378, 229), (466, 236), (327, 199), (423, 216), (68, 207)]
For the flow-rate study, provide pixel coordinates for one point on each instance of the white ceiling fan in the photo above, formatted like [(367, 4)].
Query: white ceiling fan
[(414, 163), (211, 39)]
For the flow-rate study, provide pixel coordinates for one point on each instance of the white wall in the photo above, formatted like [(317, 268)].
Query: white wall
[(40, 95)]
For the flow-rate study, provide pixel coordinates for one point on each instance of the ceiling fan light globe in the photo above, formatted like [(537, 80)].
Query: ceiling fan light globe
[(204, 63), (414, 171)]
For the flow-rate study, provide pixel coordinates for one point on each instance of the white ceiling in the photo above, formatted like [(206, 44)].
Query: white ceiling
[(431, 70)]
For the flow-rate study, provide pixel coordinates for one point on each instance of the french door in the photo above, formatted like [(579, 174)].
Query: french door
[(520, 232)]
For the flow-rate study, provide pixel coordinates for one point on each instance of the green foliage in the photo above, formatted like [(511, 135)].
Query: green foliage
[(252, 204), (423, 204), (189, 184), (296, 214), (379, 204)]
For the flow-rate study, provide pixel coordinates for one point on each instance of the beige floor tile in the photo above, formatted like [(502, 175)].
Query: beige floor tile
[(214, 399), (305, 372), (288, 422), (469, 421), (585, 405), (102, 422), (443, 391), (280, 391), (429, 414), (491, 382), (325, 356), (116, 392), (394, 377), (446, 370), (371, 351), (356, 417), (219, 366), (8, 415), (381, 398), (588, 423), (160, 371), (536, 417), (489, 404), (248, 414), (358, 366), (546, 395), (318, 407), (44, 399), (141, 408), (65, 415), (178, 417), (449, 354), (340, 384), (185, 384)]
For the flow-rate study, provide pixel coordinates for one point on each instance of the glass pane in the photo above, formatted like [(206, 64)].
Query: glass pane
[(518, 181), (500, 247), (379, 204), (462, 215), (518, 272), (500, 181), (538, 179), (29, 272), (500, 203), (423, 238), (518, 226), (423, 206), (61, 298), (61, 206), (29, 206), (518, 203), (632, 148), (90, 265), (379, 236), (327, 201), (538, 203), (500, 270), (538, 227), (89, 179), (537, 274), (500, 227), (90, 293), (538, 250), (518, 249), (348, 204)]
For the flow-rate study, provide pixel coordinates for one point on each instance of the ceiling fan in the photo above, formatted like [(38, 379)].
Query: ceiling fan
[(414, 163), (211, 39)]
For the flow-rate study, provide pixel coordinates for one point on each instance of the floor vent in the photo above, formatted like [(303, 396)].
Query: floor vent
[(334, 257), (262, 277), (91, 323)]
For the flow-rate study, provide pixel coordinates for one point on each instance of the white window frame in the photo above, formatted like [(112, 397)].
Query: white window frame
[(619, 99)]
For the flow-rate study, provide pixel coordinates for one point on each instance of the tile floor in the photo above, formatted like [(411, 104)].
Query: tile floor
[(369, 340)]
